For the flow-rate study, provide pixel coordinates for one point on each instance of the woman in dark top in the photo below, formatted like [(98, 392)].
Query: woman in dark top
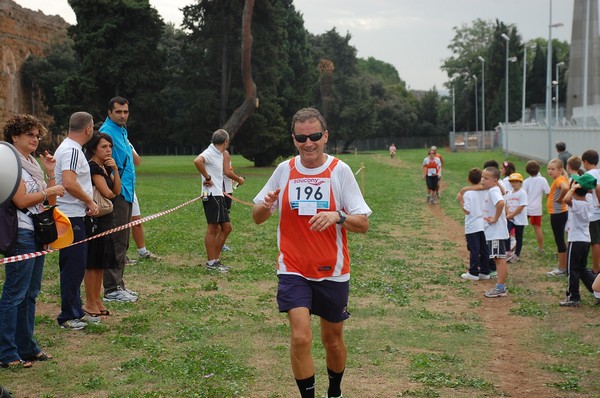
[(101, 251)]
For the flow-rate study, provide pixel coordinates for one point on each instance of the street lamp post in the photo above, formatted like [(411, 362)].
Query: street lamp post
[(556, 83), (453, 112), (476, 110), (482, 93), (524, 79), (549, 80), (505, 127)]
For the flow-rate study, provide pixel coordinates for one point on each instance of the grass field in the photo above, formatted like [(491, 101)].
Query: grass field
[(417, 329)]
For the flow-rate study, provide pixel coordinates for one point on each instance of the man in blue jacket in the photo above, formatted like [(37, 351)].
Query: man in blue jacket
[(115, 126)]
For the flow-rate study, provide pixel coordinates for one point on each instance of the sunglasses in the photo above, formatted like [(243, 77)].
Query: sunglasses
[(314, 137)]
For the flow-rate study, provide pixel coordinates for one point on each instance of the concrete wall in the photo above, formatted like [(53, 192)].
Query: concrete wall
[(533, 142)]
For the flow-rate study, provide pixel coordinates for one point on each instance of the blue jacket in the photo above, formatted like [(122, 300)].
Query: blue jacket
[(123, 156)]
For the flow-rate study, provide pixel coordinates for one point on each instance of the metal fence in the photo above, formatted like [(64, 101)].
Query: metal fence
[(474, 141)]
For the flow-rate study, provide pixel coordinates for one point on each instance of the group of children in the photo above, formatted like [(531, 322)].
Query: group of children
[(494, 209)]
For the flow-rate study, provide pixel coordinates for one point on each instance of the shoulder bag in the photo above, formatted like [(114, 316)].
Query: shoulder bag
[(105, 206), (44, 226)]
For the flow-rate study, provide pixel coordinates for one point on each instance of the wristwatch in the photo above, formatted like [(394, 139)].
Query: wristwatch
[(342, 217)]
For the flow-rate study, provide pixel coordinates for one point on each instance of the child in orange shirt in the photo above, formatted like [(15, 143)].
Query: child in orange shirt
[(558, 213)]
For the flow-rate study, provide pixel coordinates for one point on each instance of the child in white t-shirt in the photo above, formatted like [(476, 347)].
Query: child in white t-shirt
[(579, 238), (474, 226), (516, 215), (496, 231), (536, 187)]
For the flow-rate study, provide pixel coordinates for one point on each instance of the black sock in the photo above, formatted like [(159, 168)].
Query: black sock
[(335, 381), (307, 387)]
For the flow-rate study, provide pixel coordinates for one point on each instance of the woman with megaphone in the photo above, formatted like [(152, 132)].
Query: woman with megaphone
[(18, 348)]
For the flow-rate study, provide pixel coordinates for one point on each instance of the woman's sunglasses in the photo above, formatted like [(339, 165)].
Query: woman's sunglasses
[(314, 137)]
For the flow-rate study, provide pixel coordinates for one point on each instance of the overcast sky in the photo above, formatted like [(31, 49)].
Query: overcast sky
[(412, 35)]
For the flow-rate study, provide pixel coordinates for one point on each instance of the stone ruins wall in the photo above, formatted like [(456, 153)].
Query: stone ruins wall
[(23, 32)]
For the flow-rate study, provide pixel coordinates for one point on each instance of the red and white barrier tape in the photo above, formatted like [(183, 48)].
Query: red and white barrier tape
[(21, 257), (238, 200)]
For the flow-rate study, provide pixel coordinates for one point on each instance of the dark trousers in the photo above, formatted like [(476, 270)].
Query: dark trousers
[(577, 254), (72, 262), (518, 237), (558, 223), (113, 277), (478, 253)]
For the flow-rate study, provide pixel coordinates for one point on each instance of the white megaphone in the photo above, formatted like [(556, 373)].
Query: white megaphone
[(10, 171)]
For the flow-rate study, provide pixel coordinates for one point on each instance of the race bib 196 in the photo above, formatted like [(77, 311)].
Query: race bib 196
[(307, 195)]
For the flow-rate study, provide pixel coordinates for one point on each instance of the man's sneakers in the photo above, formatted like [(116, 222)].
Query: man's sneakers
[(73, 324), (148, 255), (78, 324), (87, 318), (496, 292), (557, 272), (120, 295), (130, 261), (217, 266), (570, 303)]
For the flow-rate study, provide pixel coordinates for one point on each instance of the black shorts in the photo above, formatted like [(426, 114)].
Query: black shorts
[(595, 232), (496, 248), (228, 200), (327, 299), (432, 182), (215, 211)]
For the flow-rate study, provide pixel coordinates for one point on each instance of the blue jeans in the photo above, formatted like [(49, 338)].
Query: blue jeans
[(17, 305)]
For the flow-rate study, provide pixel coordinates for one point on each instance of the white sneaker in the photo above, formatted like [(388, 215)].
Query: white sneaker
[(130, 261), (469, 277), (120, 296), (73, 324), (90, 319), (509, 255), (149, 255), (484, 277), (132, 292), (557, 272)]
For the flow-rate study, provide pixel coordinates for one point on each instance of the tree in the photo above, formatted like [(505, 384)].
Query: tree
[(46, 75), (397, 113), (117, 47), (469, 43), (351, 112), (250, 102)]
